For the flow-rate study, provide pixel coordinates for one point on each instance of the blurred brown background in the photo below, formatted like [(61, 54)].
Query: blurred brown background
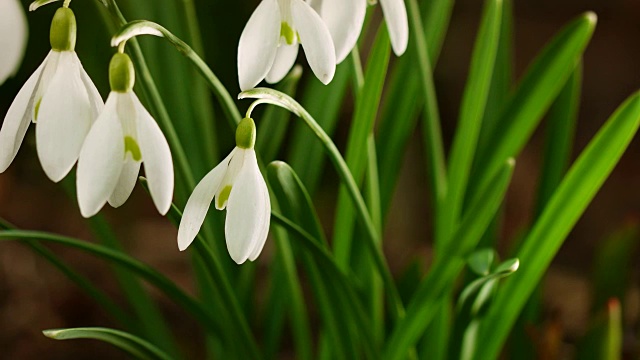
[(34, 296)]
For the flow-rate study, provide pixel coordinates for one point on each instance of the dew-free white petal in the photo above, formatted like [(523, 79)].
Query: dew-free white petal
[(13, 37), (344, 18), (265, 213), (245, 211), (156, 156), (95, 98), (126, 182), (258, 44), (395, 14), (101, 160), (316, 40), (284, 61), (64, 119), (199, 202), (17, 121)]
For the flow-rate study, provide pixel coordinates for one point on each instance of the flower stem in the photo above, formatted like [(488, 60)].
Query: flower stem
[(156, 101), (373, 236)]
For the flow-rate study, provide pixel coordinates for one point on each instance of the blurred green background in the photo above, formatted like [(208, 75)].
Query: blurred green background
[(34, 296)]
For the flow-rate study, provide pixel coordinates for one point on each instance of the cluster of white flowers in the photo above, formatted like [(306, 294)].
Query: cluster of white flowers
[(327, 30), (111, 141)]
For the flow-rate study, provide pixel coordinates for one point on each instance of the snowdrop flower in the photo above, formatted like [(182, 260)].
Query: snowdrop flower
[(123, 137), (13, 37), (270, 41), (345, 18), (60, 98), (237, 185)]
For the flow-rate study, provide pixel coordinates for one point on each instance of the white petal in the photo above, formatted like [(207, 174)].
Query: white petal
[(344, 18), (266, 221), (17, 120), (199, 202), (13, 37), (126, 182), (258, 44), (316, 40), (94, 96), (101, 160), (156, 156), (49, 70), (284, 61), (244, 226), (395, 14), (64, 119)]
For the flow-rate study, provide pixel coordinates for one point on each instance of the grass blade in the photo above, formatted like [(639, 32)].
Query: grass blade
[(540, 86), (474, 101), (564, 209), (561, 124), (441, 277), (363, 122), (131, 344)]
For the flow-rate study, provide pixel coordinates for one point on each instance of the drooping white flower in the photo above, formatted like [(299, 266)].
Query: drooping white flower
[(237, 185), (345, 18), (124, 136), (270, 42), (13, 37), (60, 98)]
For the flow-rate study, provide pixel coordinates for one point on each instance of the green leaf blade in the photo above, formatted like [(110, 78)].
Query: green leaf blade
[(558, 218)]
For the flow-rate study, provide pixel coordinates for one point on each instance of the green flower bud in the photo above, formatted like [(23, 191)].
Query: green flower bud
[(63, 30), (246, 134), (122, 76)]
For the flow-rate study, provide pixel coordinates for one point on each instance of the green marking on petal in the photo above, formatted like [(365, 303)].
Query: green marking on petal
[(224, 196), (287, 32), (130, 145), (36, 110)]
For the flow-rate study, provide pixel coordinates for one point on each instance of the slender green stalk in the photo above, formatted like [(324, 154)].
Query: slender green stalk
[(143, 27), (373, 237), (434, 150)]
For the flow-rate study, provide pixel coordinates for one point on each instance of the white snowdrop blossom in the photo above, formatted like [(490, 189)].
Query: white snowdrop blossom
[(60, 98), (345, 19), (271, 39), (124, 136), (13, 37), (237, 185)]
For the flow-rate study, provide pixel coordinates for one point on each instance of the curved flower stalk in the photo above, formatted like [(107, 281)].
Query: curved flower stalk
[(345, 19), (124, 136), (271, 39), (60, 98), (13, 37), (237, 185)]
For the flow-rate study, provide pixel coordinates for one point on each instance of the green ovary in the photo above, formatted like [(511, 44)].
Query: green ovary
[(36, 110), (224, 196), (130, 145), (287, 32)]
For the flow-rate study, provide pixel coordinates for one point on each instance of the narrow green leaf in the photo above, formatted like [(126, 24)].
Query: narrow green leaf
[(399, 114), (296, 204), (441, 277), (80, 280), (541, 84), (474, 101), (200, 313), (613, 264), (131, 344), (564, 209), (361, 127), (432, 134), (605, 336), (560, 129)]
